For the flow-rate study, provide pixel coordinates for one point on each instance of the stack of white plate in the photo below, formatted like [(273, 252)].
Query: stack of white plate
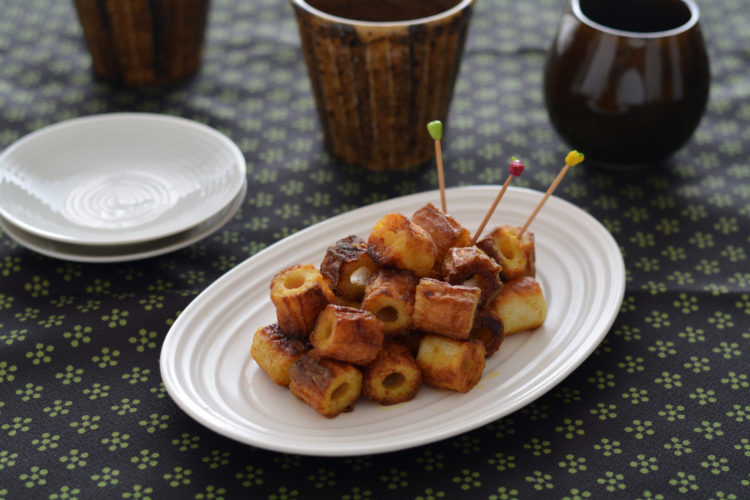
[(118, 187)]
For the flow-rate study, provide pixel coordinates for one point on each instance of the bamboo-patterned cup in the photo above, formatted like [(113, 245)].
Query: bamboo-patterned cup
[(144, 43), (380, 71)]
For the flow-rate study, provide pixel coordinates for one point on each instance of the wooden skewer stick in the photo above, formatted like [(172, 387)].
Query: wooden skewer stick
[(435, 129), (573, 158), (515, 169)]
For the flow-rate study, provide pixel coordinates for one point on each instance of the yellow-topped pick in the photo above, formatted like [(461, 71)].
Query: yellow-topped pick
[(573, 158)]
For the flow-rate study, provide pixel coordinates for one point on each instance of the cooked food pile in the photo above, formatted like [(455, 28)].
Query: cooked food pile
[(415, 303)]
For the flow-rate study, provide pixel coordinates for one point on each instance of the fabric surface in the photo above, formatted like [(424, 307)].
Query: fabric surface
[(659, 410)]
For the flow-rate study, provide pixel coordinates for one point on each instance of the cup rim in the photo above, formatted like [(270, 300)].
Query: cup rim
[(461, 5), (691, 5)]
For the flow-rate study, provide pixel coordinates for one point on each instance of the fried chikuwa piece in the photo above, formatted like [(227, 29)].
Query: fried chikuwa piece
[(411, 340), (329, 386), (390, 297), (449, 310), (516, 257), (488, 328), (299, 293), (520, 305), (275, 352), (348, 266), (470, 264), (445, 231), (450, 364), (398, 242), (347, 334), (393, 377)]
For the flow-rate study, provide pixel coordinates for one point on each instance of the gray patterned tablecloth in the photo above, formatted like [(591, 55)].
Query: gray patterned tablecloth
[(661, 409)]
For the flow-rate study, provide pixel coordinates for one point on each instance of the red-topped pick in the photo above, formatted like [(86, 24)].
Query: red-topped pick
[(515, 169)]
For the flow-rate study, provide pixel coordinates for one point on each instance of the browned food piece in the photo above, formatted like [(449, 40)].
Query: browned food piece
[(445, 231), (390, 297), (516, 257), (472, 265), (440, 307), (347, 266), (488, 328), (520, 305), (275, 352), (393, 377), (299, 293), (341, 301), (450, 364), (347, 334), (398, 242), (327, 385), (411, 340)]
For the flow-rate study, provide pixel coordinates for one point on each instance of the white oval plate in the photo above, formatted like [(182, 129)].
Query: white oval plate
[(123, 253), (119, 178), (207, 369)]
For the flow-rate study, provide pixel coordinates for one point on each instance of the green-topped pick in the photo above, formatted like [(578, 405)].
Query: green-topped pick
[(435, 128)]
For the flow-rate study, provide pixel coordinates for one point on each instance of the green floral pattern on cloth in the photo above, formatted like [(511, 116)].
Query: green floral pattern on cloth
[(660, 410)]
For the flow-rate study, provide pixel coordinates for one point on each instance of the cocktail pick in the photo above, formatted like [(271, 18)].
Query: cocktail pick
[(515, 169), (573, 158), (435, 129)]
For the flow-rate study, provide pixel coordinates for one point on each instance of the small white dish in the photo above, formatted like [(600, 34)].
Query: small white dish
[(118, 179), (121, 253), (207, 369)]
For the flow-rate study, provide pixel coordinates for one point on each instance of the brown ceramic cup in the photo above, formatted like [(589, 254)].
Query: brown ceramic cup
[(380, 71), (627, 83), (144, 43)]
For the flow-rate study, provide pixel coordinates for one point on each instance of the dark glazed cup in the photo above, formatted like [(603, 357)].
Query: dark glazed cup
[(380, 71), (627, 82)]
